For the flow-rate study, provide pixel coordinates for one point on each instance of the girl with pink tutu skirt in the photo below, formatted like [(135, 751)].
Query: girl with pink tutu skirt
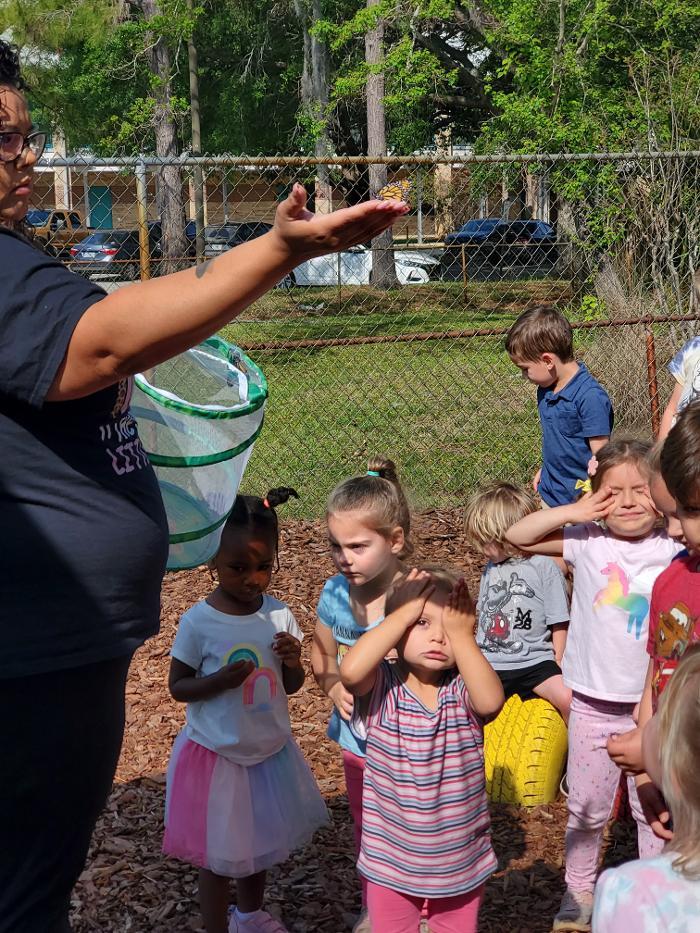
[(240, 797)]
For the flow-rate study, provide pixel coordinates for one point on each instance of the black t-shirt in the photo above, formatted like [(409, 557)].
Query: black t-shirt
[(84, 534)]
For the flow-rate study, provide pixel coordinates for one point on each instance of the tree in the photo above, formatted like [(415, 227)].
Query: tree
[(383, 266)]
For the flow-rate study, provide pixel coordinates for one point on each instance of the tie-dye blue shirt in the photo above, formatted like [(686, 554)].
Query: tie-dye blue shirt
[(646, 896)]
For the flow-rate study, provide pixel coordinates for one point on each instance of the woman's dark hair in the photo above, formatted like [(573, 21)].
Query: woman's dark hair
[(254, 515), (10, 72)]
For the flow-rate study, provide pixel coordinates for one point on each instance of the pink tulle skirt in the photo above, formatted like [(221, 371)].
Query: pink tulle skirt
[(237, 820)]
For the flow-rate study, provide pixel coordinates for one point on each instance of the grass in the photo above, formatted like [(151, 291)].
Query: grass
[(452, 413)]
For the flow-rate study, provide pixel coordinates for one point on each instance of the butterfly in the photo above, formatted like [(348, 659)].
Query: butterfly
[(396, 191)]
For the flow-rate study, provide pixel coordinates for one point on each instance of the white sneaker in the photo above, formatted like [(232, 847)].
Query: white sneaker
[(259, 922), (575, 912)]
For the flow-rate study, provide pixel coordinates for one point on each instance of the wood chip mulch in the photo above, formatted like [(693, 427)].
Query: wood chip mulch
[(128, 885)]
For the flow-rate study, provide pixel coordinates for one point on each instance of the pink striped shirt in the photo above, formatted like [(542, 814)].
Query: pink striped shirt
[(426, 829)]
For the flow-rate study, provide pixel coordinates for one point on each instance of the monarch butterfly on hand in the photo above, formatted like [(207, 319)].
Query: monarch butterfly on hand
[(396, 191)]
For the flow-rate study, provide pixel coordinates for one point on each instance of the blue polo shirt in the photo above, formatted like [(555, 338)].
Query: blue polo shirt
[(580, 410)]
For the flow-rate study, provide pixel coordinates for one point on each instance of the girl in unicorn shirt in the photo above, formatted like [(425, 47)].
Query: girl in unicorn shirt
[(611, 539)]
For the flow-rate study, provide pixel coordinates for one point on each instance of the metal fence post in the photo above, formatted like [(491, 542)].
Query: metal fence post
[(142, 208), (652, 381), (419, 205)]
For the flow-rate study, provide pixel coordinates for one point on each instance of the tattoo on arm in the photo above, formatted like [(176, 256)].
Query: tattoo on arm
[(201, 270)]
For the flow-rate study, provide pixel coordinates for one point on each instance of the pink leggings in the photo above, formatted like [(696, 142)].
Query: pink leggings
[(354, 767), (593, 782), (394, 912)]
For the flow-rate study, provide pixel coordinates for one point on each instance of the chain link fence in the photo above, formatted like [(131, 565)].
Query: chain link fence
[(397, 346)]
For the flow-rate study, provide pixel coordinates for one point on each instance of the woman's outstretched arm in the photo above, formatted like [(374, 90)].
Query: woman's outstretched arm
[(137, 327)]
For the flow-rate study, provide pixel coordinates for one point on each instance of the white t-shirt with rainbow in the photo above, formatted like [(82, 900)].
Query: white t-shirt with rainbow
[(251, 723)]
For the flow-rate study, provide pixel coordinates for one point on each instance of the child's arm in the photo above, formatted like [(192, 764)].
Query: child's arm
[(483, 684), (670, 412), (288, 650), (559, 633), (186, 687), (541, 532), (324, 664), (359, 666)]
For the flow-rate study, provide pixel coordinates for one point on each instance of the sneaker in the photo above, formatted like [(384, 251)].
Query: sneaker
[(564, 785), (362, 925), (575, 911), (259, 922)]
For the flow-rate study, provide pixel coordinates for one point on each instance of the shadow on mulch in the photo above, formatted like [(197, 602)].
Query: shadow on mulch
[(130, 887)]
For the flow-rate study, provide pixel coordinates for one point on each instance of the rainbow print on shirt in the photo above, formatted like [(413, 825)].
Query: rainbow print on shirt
[(617, 593), (244, 652)]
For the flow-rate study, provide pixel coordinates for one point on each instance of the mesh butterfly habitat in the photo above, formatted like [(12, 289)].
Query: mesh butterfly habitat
[(199, 415)]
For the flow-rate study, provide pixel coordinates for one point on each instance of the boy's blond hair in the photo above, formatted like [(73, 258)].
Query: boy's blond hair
[(539, 330), (444, 580), (679, 749), (492, 511)]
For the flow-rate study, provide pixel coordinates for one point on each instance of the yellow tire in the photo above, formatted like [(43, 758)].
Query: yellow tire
[(525, 753)]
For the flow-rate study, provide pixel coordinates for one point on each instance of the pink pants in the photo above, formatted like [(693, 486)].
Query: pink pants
[(593, 782), (354, 767), (393, 912)]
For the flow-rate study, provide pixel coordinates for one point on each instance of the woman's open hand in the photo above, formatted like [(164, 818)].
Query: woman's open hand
[(304, 235)]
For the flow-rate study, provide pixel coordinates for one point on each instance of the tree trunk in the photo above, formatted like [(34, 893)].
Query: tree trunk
[(383, 266), (314, 96), (173, 242)]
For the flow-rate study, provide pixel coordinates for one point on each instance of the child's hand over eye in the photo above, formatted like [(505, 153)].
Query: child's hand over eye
[(233, 675), (594, 506), (414, 590), (458, 616), (288, 649)]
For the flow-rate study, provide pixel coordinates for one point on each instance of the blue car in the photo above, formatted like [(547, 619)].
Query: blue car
[(474, 231), (506, 249)]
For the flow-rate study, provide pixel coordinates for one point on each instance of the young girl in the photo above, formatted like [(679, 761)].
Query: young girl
[(368, 531), (523, 607), (605, 660), (426, 829), (663, 893), (240, 796)]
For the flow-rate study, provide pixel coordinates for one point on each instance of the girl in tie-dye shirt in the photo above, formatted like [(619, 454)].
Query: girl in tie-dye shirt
[(662, 894)]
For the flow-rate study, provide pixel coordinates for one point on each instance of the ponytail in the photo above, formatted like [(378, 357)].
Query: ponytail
[(380, 495)]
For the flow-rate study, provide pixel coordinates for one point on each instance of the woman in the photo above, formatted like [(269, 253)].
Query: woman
[(83, 521)]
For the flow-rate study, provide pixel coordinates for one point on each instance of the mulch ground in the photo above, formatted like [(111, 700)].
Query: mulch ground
[(129, 886)]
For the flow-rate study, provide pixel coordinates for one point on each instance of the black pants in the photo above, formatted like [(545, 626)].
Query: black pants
[(60, 737)]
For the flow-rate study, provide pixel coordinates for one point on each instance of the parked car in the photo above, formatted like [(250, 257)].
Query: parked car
[(511, 248), (219, 239), (56, 231), (354, 267), (113, 253), (474, 231)]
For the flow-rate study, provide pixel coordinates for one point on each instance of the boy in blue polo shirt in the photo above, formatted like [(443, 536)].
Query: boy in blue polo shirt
[(575, 410)]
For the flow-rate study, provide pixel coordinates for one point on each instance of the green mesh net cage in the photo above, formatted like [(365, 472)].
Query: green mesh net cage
[(198, 416)]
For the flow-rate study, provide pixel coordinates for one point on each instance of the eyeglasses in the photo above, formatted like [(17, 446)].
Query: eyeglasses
[(12, 145)]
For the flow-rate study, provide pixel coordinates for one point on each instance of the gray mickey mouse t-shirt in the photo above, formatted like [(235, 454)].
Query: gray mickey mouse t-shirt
[(519, 600)]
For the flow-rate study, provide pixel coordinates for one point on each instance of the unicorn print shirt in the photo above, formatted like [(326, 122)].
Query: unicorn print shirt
[(251, 723), (605, 654)]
